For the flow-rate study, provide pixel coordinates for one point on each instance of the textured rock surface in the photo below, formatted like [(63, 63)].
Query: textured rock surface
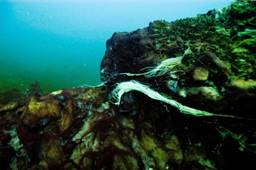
[(177, 95), (128, 52)]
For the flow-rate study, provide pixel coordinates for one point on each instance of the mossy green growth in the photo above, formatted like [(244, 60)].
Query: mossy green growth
[(240, 19), (159, 155), (229, 33)]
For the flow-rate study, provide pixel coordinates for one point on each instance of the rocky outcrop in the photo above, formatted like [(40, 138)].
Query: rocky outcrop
[(211, 64), (178, 95), (128, 53)]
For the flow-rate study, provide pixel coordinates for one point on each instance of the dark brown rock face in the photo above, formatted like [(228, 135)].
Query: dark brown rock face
[(128, 52)]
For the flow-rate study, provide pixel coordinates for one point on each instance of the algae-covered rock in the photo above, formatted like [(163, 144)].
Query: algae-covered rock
[(8, 107), (200, 74), (243, 84), (37, 110)]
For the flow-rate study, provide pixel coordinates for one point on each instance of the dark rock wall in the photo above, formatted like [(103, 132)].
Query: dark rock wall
[(128, 52)]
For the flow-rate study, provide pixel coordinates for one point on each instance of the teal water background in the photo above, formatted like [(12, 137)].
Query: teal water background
[(60, 43)]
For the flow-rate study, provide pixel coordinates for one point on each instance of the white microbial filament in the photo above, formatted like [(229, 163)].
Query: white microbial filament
[(133, 85), (159, 70)]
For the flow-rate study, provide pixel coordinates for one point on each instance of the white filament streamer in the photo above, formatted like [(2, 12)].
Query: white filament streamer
[(161, 69), (133, 85)]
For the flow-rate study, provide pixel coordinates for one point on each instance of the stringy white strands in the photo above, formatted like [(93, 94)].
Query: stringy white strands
[(164, 67), (90, 86), (133, 85), (159, 70)]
